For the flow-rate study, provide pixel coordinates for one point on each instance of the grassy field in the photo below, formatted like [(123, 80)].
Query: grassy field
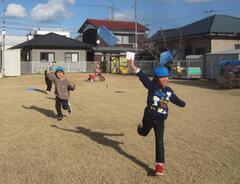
[(98, 142)]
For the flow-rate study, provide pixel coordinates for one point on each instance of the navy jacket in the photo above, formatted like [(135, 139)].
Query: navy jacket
[(158, 98)]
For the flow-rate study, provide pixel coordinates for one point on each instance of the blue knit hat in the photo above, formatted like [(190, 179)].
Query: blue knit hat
[(160, 71), (59, 68)]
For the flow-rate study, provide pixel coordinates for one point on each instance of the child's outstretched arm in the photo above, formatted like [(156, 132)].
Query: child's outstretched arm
[(48, 68), (177, 101), (50, 75), (142, 76)]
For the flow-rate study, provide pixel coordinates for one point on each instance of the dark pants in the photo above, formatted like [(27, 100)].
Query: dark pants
[(48, 82), (60, 103), (158, 126)]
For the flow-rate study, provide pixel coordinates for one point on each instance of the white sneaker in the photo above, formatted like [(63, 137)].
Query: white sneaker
[(70, 108)]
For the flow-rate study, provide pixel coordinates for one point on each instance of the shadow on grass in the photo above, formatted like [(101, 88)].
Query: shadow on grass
[(40, 90), (100, 138), (119, 91), (51, 98), (46, 112), (197, 83)]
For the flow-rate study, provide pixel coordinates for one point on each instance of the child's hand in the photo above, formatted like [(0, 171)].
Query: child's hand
[(72, 87), (48, 68), (132, 65)]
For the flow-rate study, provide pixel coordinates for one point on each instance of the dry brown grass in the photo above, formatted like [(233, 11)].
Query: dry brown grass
[(98, 142)]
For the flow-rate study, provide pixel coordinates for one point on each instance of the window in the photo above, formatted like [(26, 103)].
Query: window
[(126, 39), (120, 39), (71, 57), (47, 56), (131, 38), (237, 46), (25, 55)]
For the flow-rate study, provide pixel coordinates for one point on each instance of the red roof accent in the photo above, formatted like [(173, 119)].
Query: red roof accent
[(117, 25)]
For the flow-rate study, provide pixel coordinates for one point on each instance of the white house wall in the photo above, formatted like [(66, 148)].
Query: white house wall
[(59, 54), (12, 62)]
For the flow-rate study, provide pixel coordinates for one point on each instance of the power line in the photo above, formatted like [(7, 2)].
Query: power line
[(23, 26), (195, 14), (111, 8), (176, 19), (18, 23)]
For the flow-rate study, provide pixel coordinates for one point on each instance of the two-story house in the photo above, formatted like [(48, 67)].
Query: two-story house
[(125, 31)]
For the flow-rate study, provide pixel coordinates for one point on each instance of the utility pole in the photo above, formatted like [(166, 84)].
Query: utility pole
[(111, 12), (136, 30), (3, 36)]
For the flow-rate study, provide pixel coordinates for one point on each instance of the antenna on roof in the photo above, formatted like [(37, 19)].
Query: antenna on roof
[(112, 9)]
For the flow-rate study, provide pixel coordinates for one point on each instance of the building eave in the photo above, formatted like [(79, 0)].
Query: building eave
[(115, 49)]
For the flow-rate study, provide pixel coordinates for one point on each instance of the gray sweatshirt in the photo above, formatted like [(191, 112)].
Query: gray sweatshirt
[(62, 86)]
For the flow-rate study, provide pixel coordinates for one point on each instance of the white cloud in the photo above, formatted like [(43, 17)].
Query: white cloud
[(51, 11), (15, 11), (71, 1), (124, 15)]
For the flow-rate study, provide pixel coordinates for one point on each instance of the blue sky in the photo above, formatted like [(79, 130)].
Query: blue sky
[(72, 13)]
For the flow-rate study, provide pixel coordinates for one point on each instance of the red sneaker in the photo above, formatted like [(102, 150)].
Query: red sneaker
[(159, 168)]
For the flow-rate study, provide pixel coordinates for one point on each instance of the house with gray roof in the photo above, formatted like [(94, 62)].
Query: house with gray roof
[(38, 51), (217, 33), (53, 47)]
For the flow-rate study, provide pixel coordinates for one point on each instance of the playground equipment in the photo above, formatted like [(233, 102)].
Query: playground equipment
[(123, 69), (93, 77), (97, 76), (228, 73), (186, 73), (192, 73), (119, 65), (177, 71)]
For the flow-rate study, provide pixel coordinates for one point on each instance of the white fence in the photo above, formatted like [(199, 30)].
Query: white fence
[(89, 66), (147, 66), (81, 66), (39, 67)]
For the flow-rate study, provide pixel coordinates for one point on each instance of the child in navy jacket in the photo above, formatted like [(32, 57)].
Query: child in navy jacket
[(156, 111)]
